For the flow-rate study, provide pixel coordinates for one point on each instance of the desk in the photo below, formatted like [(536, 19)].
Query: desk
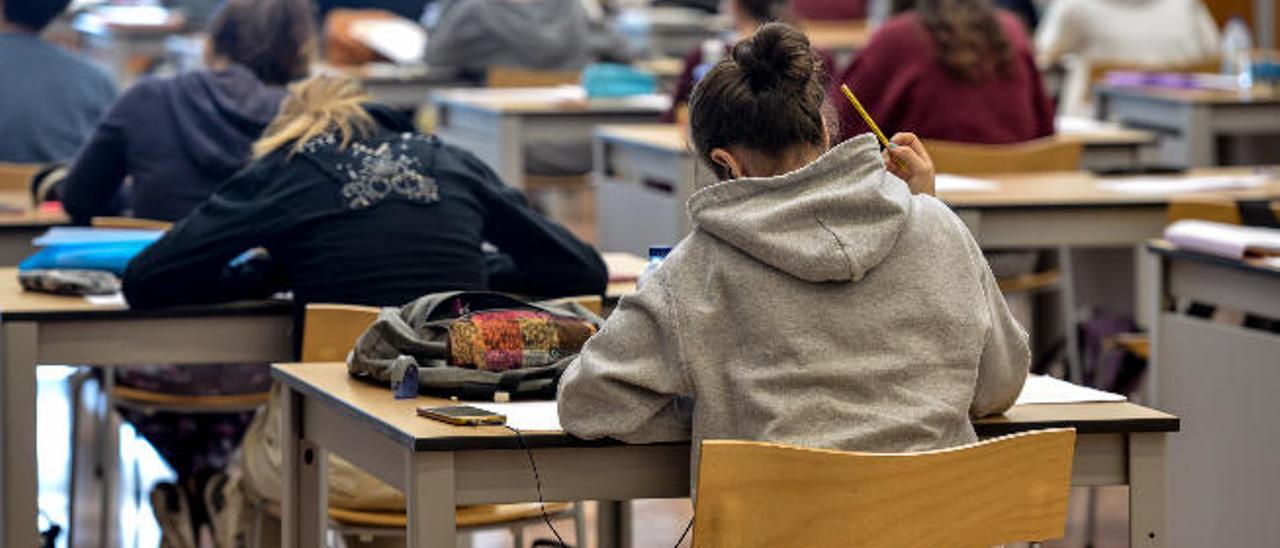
[(1223, 472), (497, 124), (403, 87), (24, 223), (1107, 145), (40, 329), (130, 38), (645, 175), (1199, 127), (441, 466)]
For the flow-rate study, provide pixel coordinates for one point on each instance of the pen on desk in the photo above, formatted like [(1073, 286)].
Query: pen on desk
[(870, 123)]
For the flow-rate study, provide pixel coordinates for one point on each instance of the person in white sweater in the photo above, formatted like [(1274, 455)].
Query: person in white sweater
[(1141, 33), (816, 303)]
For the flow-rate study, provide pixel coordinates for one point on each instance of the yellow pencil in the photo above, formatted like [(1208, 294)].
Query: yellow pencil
[(870, 123)]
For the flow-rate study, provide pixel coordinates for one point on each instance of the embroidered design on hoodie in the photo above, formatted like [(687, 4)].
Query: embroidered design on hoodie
[(374, 172)]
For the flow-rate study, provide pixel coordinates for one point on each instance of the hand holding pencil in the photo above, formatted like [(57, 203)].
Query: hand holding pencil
[(904, 155)]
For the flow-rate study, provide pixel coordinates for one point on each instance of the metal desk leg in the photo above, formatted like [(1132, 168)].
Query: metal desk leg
[(431, 500), (306, 493), (18, 435), (613, 524), (1148, 491)]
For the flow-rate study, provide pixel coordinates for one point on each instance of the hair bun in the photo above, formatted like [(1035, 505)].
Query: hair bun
[(776, 56)]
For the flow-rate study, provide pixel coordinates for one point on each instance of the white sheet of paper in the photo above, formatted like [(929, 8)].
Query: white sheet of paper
[(1080, 124), (956, 183), (1179, 185), (534, 416), (1040, 389), (114, 299), (401, 40)]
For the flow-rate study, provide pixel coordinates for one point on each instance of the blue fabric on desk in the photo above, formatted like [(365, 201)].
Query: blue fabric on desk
[(603, 80), (111, 257)]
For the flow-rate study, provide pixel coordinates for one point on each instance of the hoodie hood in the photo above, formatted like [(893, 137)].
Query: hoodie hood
[(830, 221), (220, 114)]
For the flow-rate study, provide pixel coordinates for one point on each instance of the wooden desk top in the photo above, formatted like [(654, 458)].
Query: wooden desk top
[(838, 36), (18, 212), (19, 305), (374, 405), (548, 101), (1162, 247), (1258, 96), (1080, 189), (1092, 133)]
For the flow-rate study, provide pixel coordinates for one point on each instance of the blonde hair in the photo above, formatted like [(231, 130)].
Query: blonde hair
[(316, 107)]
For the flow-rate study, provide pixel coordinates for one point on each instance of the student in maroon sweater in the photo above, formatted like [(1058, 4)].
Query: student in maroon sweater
[(747, 15), (955, 70)]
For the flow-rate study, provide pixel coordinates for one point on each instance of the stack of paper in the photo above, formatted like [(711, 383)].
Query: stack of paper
[(1224, 240)]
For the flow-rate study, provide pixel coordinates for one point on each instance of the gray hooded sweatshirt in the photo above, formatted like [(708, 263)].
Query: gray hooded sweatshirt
[(827, 307)]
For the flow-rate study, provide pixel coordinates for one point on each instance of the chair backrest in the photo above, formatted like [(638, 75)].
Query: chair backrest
[(129, 222), (17, 176), (1221, 211), (1047, 154), (1008, 489), (329, 331), (511, 77)]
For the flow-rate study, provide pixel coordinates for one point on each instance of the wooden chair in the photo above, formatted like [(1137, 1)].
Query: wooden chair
[(129, 222), (1008, 489), (17, 176), (1047, 154), (329, 331), (512, 77)]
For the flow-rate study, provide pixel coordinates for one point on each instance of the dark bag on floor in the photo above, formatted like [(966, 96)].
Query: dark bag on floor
[(472, 345)]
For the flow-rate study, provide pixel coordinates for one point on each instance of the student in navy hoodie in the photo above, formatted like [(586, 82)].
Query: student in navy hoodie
[(178, 138)]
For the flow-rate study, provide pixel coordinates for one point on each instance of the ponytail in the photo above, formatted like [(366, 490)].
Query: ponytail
[(315, 107)]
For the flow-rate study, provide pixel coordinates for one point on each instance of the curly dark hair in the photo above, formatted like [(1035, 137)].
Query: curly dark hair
[(968, 37)]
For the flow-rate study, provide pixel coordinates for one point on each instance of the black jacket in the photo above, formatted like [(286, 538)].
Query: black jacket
[(381, 222)]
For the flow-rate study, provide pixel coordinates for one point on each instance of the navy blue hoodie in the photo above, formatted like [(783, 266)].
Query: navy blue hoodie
[(178, 138)]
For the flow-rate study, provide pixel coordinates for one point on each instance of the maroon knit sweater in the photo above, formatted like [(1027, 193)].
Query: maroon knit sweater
[(903, 86)]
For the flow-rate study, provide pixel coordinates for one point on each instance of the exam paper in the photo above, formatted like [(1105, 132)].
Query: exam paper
[(114, 299), (1041, 389), (534, 416), (1231, 241), (1179, 185), (956, 183)]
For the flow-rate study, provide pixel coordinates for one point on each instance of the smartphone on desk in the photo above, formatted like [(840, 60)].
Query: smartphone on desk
[(462, 415)]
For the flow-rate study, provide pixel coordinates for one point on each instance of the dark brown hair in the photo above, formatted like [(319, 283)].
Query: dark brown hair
[(969, 40), (272, 38), (768, 96), (33, 15)]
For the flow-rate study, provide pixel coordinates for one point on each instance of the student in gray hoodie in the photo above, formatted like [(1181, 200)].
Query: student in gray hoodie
[(817, 302)]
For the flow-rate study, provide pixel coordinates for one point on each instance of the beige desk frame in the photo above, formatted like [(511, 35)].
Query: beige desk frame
[(44, 329), (1191, 122), (499, 132), (440, 467), (1223, 472)]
